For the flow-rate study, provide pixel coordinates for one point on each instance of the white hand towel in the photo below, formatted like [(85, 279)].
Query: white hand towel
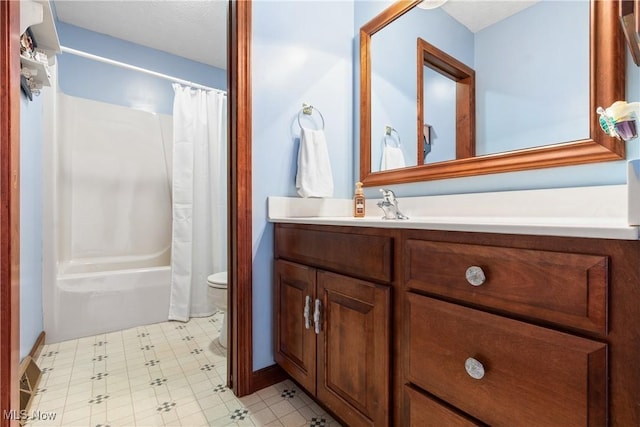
[(392, 158), (314, 177)]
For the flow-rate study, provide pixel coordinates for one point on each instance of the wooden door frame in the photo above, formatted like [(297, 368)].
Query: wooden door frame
[(240, 348), (243, 379), (9, 208)]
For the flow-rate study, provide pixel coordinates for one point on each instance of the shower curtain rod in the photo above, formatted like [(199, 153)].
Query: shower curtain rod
[(133, 67)]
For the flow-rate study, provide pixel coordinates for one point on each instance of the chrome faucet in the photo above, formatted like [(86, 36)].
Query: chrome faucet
[(389, 204)]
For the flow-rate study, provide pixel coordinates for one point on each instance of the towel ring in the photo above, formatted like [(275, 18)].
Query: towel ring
[(388, 132), (308, 110)]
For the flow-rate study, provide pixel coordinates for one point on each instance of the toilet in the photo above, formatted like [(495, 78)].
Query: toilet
[(218, 295)]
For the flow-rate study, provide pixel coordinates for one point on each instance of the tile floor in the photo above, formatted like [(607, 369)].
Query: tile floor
[(167, 374)]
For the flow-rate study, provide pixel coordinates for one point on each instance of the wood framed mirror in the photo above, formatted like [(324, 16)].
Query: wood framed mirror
[(606, 84)]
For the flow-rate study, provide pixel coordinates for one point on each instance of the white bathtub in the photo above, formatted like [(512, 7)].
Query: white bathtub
[(99, 302), (107, 218)]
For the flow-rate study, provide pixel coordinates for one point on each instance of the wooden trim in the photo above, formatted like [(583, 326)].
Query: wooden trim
[(9, 208), (37, 346), (387, 16), (465, 79), (365, 105), (268, 376), (240, 348), (607, 60), (586, 151)]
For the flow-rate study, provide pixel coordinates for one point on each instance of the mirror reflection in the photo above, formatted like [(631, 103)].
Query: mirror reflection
[(439, 122), (532, 80)]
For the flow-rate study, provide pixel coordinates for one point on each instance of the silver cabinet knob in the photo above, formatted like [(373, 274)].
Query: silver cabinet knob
[(475, 276), (474, 368)]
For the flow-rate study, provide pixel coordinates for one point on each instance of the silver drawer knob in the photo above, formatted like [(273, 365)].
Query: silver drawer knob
[(475, 276), (474, 368)]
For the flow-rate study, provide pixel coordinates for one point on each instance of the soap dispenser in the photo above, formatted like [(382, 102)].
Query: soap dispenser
[(358, 201)]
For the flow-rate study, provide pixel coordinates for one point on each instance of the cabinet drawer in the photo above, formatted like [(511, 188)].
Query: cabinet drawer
[(532, 375), (424, 411), (359, 255), (564, 288)]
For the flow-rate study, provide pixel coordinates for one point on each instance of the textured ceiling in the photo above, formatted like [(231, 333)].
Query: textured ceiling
[(197, 29), (479, 14), (193, 29)]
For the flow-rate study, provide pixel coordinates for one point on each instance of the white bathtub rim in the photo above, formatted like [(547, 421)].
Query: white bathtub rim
[(97, 303), (125, 271)]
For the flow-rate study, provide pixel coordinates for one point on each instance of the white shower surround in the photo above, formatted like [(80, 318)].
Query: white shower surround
[(107, 248)]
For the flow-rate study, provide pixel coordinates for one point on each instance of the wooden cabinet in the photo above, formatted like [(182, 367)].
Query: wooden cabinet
[(503, 371), (332, 330), (514, 331), (436, 328), (295, 337), (353, 350), (568, 289), (424, 411)]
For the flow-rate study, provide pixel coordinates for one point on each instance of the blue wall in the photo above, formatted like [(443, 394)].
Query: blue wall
[(91, 79), (301, 52), (582, 175), (440, 113), (31, 323)]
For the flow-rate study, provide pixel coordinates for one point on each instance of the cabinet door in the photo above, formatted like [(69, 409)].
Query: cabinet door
[(502, 371), (295, 348), (354, 349)]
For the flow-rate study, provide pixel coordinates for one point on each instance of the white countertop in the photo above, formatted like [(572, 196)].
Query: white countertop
[(550, 227), (594, 212)]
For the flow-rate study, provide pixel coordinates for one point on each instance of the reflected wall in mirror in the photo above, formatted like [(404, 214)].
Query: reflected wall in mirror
[(527, 123)]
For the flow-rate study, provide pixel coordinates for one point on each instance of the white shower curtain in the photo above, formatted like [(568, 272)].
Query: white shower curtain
[(199, 241)]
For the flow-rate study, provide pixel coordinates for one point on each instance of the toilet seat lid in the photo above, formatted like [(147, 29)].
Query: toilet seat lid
[(219, 279)]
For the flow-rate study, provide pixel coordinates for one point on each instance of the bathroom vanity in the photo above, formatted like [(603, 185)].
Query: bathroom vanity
[(416, 325), (333, 295), (504, 309)]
